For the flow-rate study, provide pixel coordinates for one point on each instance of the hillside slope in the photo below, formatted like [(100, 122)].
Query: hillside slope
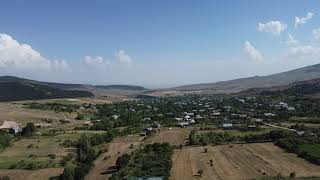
[(307, 87), (66, 86), (16, 91), (237, 85)]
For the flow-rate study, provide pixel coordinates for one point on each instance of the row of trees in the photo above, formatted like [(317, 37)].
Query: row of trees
[(196, 138)]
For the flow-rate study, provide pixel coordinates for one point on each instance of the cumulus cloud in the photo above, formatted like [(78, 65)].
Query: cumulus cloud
[(123, 57), (305, 50), (15, 55), (97, 62), (302, 20), (274, 27), (252, 51), (291, 40), (316, 33)]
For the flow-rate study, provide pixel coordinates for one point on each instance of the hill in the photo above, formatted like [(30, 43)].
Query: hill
[(15, 91), (238, 85), (14, 88), (308, 87)]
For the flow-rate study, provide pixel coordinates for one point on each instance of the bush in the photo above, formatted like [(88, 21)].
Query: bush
[(52, 156)]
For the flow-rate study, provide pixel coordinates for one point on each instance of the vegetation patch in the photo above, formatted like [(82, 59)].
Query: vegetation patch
[(154, 160)]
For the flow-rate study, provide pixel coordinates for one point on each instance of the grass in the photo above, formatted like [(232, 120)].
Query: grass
[(312, 149), (35, 150), (23, 162)]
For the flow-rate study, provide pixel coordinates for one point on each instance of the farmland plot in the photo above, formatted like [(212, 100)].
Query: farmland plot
[(104, 165), (18, 174), (238, 162), (174, 136)]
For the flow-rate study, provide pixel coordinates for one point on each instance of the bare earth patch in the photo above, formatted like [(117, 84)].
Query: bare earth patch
[(238, 162)]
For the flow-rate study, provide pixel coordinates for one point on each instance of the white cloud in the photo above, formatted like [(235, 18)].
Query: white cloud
[(274, 27), (97, 61), (291, 40), (252, 51), (302, 20), (123, 57), (14, 55), (306, 50), (316, 33)]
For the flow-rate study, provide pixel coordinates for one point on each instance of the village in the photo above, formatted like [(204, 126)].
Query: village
[(203, 129)]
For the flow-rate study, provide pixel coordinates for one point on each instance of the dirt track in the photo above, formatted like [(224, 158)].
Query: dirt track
[(238, 162)]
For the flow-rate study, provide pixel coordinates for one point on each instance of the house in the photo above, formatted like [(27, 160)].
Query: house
[(88, 123), (216, 114), (187, 117), (300, 133), (143, 134), (227, 125), (291, 108), (16, 130), (190, 114), (156, 125), (146, 119), (184, 124), (146, 131), (198, 117), (115, 117), (252, 127), (269, 115), (259, 120)]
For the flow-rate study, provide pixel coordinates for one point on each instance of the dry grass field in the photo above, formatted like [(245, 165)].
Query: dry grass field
[(104, 165), (17, 174), (238, 162), (36, 150), (175, 136), (16, 112)]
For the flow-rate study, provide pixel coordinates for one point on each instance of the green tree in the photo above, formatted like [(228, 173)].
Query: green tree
[(69, 171), (29, 130)]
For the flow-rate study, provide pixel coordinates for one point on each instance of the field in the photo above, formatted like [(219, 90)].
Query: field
[(175, 136), (16, 112), (18, 174), (238, 162), (36, 150), (104, 164)]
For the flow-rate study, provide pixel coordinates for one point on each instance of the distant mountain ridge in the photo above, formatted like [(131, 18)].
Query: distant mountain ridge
[(66, 86), (27, 90), (14, 88), (238, 85)]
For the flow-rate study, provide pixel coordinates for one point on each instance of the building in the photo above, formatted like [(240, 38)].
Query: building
[(227, 125), (156, 125), (184, 124)]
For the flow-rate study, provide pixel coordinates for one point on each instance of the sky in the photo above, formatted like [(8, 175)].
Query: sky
[(156, 43)]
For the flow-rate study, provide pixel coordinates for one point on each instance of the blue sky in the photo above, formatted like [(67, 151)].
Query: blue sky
[(156, 43)]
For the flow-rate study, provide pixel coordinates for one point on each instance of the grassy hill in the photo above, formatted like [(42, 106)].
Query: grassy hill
[(13, 90), (307, 87), (238, 85)]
